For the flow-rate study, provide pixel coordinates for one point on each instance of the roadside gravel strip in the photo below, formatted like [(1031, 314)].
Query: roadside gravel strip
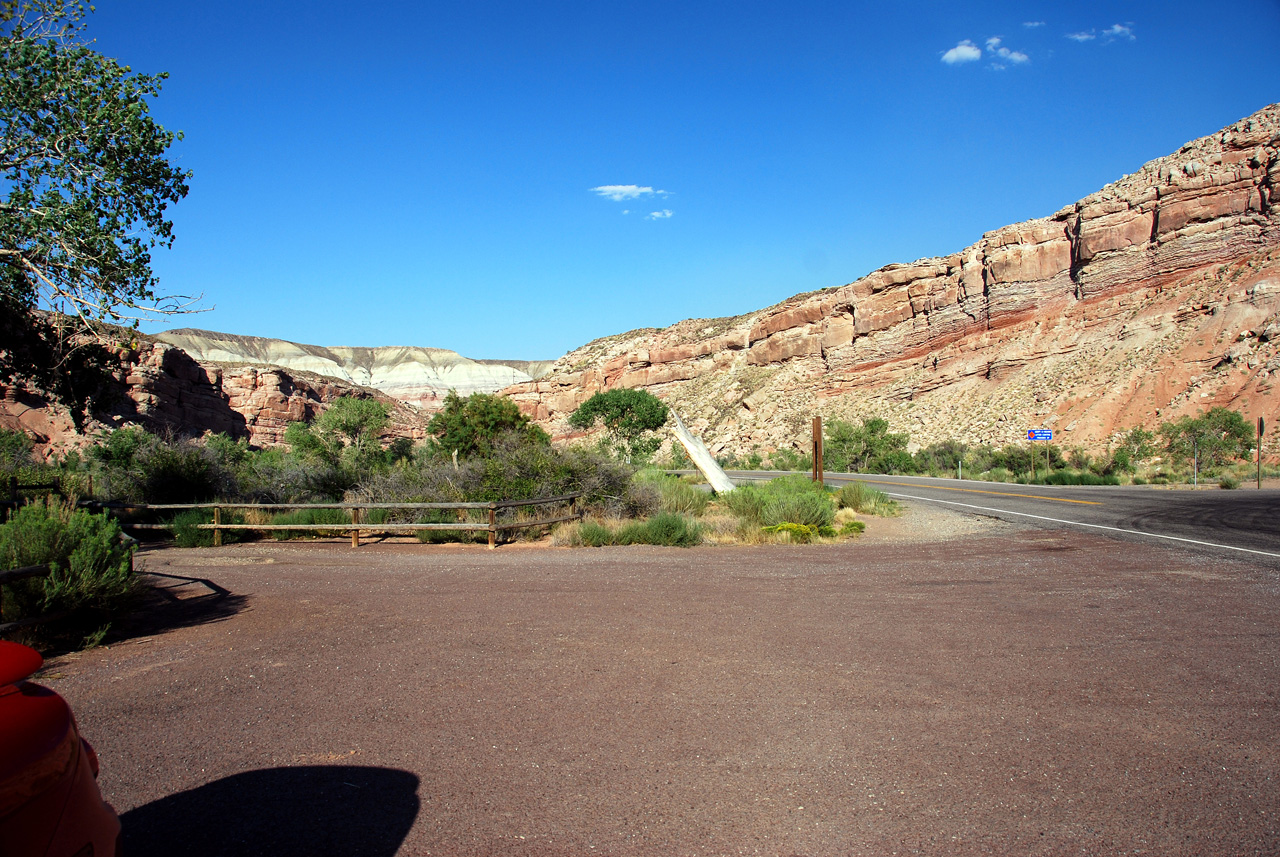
[(948, 684)]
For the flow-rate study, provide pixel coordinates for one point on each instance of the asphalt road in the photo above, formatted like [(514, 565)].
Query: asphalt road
[(1245, 522)]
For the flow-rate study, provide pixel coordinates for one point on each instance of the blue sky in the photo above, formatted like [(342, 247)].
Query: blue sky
[(423, 173)]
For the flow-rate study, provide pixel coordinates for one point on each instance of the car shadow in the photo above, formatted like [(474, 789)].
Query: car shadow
[(284, 812)]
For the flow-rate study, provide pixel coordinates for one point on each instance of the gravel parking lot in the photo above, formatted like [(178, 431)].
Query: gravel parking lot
[(997, 691)]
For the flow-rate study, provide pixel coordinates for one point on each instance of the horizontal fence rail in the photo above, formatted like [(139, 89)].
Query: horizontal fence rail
[(356, 526)]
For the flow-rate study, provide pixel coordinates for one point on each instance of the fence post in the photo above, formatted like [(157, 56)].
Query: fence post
[(355, 534), (493, 526), (573, 507), (217, 522)]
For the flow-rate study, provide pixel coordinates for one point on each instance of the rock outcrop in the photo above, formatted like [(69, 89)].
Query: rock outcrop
[(163, 389), (1144, 300), (418, 376)]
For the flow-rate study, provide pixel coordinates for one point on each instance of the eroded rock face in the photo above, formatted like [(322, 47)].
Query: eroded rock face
[(417, 376), (1109, 313), (163, 388)]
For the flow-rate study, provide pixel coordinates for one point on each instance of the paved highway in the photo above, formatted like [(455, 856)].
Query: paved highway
[(1242, 523)]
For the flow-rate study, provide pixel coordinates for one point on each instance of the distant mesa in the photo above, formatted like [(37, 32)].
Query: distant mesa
[(414, 375)]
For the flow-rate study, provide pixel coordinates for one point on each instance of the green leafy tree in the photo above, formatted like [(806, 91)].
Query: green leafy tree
[(866, 447), (471, 426), (84, 185), (629, 416), (347, 431), (1217, 437)]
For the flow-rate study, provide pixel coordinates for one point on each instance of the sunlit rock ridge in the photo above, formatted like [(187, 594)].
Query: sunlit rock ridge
[(417, 376), (1157, 295)]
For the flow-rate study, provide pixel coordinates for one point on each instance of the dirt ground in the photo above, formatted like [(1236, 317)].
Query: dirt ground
[(1000, 691)]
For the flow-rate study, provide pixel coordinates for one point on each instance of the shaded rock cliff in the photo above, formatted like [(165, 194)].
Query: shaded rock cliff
[(1158, 295), (163, 388)]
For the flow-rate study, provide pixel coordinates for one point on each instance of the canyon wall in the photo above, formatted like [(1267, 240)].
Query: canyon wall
[(162, 388), (1156, 296), (418, 376)]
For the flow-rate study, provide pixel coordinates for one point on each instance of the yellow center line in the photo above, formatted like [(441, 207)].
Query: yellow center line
[(977, 491)]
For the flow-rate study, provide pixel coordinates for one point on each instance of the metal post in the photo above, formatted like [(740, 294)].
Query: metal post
[(817, 450), (1195, 462), (355, 534), (1032, 439), (493, 526), (217, 522)]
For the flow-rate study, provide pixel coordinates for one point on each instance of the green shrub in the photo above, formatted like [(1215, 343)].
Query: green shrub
[(1067, 477), (676, 496), (187, 532), (798, 533), (861, 497), (310, 516), (663, 529), (594, 534), (92, 579), (809, 509), (1228, 482), (853, 528)]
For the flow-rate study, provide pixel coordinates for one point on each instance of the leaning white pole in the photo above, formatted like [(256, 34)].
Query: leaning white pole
[(719, 480)]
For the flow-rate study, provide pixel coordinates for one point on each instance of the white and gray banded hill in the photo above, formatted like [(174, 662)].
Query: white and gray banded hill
[(412, 374)]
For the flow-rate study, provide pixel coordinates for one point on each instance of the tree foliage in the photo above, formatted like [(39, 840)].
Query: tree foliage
[(346, 431), (866, 447), (1216, 437), (472, 425), (628, 416), (85, 184)]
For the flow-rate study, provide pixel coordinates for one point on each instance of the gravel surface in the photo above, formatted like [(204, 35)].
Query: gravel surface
[(999, 691)]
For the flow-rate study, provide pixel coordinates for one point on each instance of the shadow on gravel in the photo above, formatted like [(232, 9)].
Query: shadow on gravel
[(284, 812), (173, 601)]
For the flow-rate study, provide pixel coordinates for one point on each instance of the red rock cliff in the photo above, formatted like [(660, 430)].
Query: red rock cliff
[(1154, 296)]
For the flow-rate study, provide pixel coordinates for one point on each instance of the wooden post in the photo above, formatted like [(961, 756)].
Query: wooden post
[(1261, 425), (355, 534), (217, 522), (493, 526), (817, 450)]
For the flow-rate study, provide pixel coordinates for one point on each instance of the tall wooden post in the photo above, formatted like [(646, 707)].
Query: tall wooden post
[(217, 522), (355, 534), (493, 526), (1261, 426), (817, 450)]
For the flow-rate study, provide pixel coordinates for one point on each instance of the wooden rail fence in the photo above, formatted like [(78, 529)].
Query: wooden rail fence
[(493, 527)]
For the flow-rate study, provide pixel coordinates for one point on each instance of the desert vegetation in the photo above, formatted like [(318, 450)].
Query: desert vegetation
[(1215, 446)]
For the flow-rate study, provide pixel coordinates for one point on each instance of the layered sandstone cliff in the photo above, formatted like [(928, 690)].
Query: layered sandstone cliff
[(163, 388), (418, 376), (1157, 295)]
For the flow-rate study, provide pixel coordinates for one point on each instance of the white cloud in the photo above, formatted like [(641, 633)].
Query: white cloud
[(1016, 57), (1119, 31), (1082, 36), (1003, 55), (626, 211), (1032, 24), (659, 215), (965, 51), (619, 192), (993, 43)]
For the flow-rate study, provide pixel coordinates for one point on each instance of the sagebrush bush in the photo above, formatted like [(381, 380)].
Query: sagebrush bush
[(788, 499), (663, 529), (92, 578), (319, 517), (675, 495), (861, 497)]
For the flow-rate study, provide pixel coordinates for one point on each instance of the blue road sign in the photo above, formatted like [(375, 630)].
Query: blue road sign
[(1039, 434)]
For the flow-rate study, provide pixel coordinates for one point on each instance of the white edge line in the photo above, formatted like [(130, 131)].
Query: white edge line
[(1082, 524)]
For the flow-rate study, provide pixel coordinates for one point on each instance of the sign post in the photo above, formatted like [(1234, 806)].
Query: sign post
[(1261, 425), (1034, 435), (817, 450)]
